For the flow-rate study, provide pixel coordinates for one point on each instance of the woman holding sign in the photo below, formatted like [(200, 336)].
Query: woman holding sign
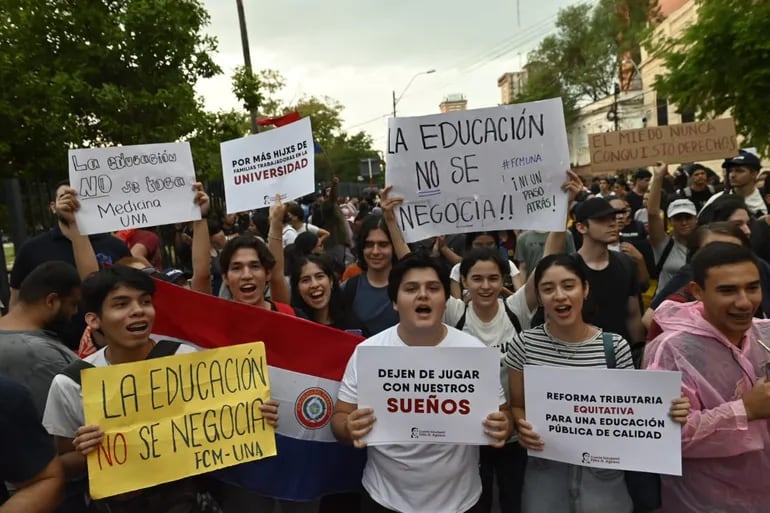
[(565, 340)]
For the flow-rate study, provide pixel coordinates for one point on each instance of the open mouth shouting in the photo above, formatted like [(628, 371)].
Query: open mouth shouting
[(138, 327), (563, 311)]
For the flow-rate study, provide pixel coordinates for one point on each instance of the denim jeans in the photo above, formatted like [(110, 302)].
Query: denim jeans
[(555, 487)]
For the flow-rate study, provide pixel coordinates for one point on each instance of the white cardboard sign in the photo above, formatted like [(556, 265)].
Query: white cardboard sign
[(257, 167), (133, 186), (428, 394), (486, 169), (605, 418)]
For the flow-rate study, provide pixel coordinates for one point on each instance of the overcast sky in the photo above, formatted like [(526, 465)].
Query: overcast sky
[(358, 52)]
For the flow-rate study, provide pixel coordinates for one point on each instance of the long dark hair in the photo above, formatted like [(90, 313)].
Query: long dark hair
[(561, 260), (336, 309)]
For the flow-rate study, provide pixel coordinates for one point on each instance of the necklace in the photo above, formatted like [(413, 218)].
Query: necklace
[(561, 348)]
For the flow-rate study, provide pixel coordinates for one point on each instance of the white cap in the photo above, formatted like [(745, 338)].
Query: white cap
[(681, 206)]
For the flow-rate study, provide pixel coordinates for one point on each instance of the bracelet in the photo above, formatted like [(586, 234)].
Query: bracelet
[(275, 237)]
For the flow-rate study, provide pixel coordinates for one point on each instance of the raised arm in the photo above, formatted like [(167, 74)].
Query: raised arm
[(85, 259), (201, 244), (656, 228), (389, 205), (279, 291)]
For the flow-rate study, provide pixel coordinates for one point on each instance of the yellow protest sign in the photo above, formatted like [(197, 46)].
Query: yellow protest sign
[(169, 418)]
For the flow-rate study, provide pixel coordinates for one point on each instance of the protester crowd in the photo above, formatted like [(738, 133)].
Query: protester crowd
[(662, 269)]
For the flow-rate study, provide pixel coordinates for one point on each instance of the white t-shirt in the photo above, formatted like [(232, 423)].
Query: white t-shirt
[(288, 235), (754, 202), (454, 274), (307, 227), (497, 333), (418, 478), (64, 407)]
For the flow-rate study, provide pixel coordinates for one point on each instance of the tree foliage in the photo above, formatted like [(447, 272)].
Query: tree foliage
[(581, 61), (257, 90), (97, 72), (213, 129), (341, 152), (720, 64)]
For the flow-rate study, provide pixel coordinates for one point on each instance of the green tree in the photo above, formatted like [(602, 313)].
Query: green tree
[(581, 61), (720, 64), (97, 72), (256, 91), (341, 152), (214, 128)]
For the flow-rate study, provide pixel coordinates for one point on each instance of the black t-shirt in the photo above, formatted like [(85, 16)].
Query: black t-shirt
[(26, 448), (610, 288), (54, 246), (760, 239)]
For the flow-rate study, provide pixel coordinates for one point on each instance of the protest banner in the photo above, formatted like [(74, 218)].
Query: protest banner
[(687, 142), (310, 462), (484, 169), (428, 394), (257, 167), (605, 418), (133, 186), (169, 418)]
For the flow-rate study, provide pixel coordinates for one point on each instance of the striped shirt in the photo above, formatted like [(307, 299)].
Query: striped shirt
[(538, 347)]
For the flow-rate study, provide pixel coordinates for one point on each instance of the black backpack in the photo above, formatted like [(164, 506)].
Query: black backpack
[(512, 316), (643, 487)]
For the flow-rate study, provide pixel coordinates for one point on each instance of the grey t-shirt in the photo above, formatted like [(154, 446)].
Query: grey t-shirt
[(531, 244), (675, 260), (32, 359)]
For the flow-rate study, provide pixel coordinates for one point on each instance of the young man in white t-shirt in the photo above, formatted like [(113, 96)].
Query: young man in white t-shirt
[(414, 478), (118, 302)]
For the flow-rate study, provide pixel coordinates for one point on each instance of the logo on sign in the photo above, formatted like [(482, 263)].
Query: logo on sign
[(313, 408)]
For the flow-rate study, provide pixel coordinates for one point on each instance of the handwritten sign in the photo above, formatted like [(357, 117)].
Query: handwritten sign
[(429, 394), (133, 186), (168, 418), (605, 418), (687, 142), (485, 169), (257, 167)]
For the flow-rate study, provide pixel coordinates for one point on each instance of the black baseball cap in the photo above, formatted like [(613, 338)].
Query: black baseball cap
[(743, 159), (595, 208)]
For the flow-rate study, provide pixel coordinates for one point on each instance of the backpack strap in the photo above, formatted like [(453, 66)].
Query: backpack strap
[(664, 256), (512, 317), (161, 349), (461, 322), (349, 291), (72, 370), (609, 350)]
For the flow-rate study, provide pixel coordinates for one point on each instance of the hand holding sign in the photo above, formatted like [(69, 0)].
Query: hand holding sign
[(573, 186), (201, 199), (358, 425), (680, 409), (87, 439), (528, 438), (270, 412), (497, 426)]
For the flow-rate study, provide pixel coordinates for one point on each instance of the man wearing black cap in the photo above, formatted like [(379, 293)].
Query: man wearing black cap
[(742, 171), (612, 302)]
